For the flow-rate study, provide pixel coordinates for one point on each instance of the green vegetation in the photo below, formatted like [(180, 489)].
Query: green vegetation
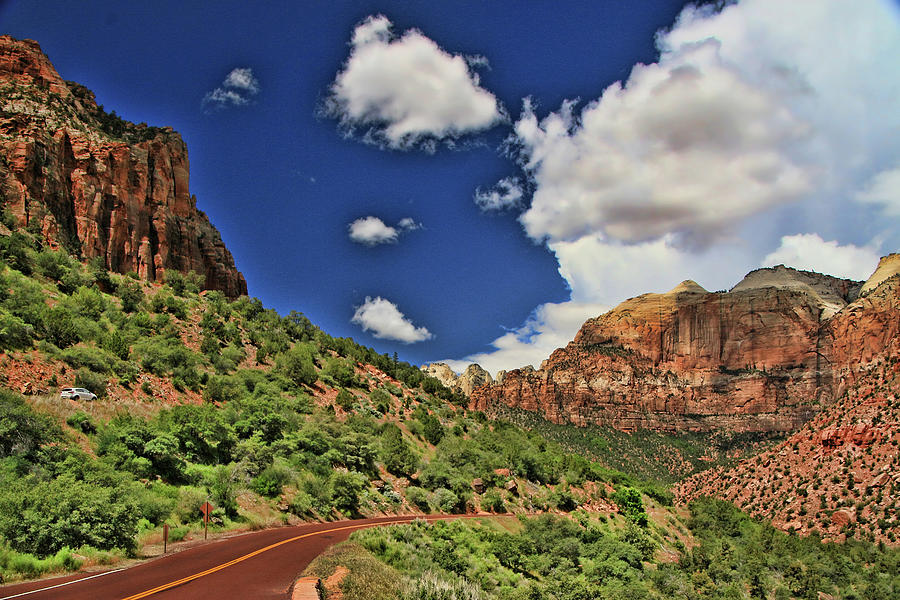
[(647, 455), (269, 418), (565, 558)]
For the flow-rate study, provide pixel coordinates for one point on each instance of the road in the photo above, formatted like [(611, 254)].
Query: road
[(262, 564)]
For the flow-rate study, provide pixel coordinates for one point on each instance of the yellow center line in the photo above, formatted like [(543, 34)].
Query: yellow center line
[(189, 578)]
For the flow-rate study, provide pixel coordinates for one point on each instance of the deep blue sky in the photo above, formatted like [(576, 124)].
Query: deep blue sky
[(282, 183), (466, 274)]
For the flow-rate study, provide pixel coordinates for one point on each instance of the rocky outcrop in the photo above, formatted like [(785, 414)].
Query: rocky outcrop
[(764, 356), (96, 184), (474, 376), (888, 267)]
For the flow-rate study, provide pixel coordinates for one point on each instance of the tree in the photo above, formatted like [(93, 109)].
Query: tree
[(297, 365), (345, 491), (396, 453), (131, 295)]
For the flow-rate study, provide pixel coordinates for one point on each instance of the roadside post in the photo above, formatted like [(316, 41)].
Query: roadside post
[(206, 509), (165, 536)]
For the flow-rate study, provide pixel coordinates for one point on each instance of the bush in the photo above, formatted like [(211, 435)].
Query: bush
[(446, 501), (14, 332), (345, 491), (396, 454), (42, 517), (631, 504), (418, 497), (297, 365), (345, 399), (23, 431), (131, 294), (493, 502), (91, 381)]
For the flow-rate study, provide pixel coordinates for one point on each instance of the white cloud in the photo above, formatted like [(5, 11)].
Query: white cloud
[(763, 119), (549, 327), (810, 252), (385, 321), (372, 231), (506, 194), (238, 89), (408, 224), (407, 90), (883, 190), (686, 147)]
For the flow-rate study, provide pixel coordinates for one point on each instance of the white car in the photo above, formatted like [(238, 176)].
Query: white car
[(77, 394)]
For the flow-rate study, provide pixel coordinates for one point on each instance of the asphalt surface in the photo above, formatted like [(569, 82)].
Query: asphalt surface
[(262, 564)]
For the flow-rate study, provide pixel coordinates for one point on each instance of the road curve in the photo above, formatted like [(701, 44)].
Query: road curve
[(262, 564)]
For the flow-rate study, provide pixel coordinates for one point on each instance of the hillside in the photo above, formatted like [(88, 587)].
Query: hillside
[(201, 397)]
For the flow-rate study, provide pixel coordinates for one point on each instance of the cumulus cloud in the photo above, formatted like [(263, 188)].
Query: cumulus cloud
[(385, 321), (810, 252), (758, 120), (687, 146), (506, 194), (238, 89), (372, 231), (404, 90)]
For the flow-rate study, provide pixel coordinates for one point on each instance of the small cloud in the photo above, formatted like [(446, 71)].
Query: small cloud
[(238, 89), (372, 231), (405, 91), (506, 194), (408, 224), (809, 252), (385, 321)]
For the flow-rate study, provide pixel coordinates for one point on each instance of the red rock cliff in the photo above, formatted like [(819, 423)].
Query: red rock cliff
[(765, 356), (97, 184)]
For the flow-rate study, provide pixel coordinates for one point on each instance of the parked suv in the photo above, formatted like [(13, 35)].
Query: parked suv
[(77, 394)]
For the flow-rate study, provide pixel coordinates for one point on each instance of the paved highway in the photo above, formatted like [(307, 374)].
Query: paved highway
[(262, 564)]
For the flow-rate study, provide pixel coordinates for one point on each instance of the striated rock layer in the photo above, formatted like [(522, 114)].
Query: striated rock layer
[(763, 357), (96, 184)]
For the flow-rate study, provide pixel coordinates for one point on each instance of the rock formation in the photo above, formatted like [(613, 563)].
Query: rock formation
[(474, 376), (96, 184), (764, 356)]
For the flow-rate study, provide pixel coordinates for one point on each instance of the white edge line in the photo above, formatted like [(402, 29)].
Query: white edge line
[(62, 584)]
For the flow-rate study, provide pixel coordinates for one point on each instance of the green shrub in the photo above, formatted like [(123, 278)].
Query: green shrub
[(418, 497), (631, 505), (297, 365), (131, 294), (89, 380), (89, 357), (42, 517), (446, 501), (23, 431), (14, 332), (345, 490), (493, 502)]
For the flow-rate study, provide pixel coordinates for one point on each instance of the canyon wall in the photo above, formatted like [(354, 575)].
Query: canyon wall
[(96, 184), (763, 357)]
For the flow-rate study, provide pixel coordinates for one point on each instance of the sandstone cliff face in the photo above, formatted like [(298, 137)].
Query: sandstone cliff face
[(97, 184), (765, 356), (842, 468)]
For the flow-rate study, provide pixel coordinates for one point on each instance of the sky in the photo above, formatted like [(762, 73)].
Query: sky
[(470, 181)]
